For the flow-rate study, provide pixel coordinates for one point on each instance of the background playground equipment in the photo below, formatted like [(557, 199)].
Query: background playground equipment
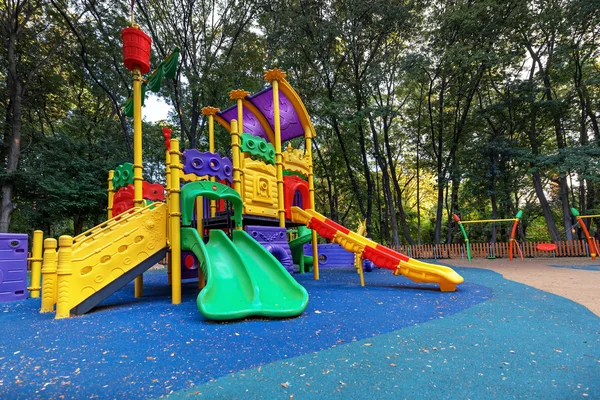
[(513, 232), (592, 245), (13, 267)]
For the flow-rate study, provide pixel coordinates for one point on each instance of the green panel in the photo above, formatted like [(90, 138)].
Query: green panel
[(297, 248), (243, 278), (123, 176), (294, 173), (213, 191), (258, 148)]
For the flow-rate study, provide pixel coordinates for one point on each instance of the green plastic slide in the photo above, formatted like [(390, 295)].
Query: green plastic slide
[(243, 278), (297, 247)]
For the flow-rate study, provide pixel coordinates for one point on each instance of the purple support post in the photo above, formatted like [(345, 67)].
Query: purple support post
[(331, 256), (274, 239), (13, 267)]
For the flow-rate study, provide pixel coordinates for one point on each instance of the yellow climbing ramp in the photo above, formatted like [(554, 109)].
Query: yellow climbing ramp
[(97, 263)]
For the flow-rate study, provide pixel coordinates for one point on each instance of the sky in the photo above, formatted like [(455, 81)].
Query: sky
[(155, 108)]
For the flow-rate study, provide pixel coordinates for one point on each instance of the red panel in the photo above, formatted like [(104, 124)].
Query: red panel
[(292, 184), (337, 226), (153, 191), (380, 258), (392, 253), (322, 228)]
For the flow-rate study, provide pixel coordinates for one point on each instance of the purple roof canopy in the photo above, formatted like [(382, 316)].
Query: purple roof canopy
[(263, 101)]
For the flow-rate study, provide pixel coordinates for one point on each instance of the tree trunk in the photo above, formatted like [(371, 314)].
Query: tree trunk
[(14, 146), (539, 191)]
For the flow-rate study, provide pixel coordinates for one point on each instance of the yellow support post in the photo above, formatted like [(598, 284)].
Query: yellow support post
[(168, 201), (137, 138), (239, 95), (311, 191), (274, 76), (138, 200), (111, 193), (175, 215), (36, 264), (49, 276), (200, 216), (210, 112), (235, 156), (488, 220), (64, 273)]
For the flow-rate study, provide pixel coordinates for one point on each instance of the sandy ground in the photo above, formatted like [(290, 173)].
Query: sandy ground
[(578, 285)]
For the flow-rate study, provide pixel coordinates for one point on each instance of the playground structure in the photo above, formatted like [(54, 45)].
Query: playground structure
[(513, 232), (593, 247), (256, 197)]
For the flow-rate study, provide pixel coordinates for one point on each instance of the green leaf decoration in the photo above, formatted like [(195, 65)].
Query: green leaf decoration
[(155, 80), (128, 107), (294, 173), (169, 65), (258, 148), (123, 176)]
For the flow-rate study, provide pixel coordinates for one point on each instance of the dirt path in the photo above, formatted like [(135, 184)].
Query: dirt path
[(582, 286)]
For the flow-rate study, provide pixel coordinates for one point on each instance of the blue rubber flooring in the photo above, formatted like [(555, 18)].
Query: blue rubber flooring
[(393, 336)]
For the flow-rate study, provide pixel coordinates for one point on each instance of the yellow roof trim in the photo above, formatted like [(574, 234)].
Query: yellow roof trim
[(298, 105), (223, 123)]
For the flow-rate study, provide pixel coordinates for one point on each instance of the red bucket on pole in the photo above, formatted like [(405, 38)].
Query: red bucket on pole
[(136, 49)]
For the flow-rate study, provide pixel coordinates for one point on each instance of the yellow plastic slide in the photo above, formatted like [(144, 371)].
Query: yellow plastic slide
[(381, 256)]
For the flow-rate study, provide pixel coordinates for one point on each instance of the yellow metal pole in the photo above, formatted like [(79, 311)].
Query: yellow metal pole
[(137, 138), (111, 193), (238, 95), (36, 264), (210, 112), (200, 216), (64, 272), (168, 201), (138, 201), (235, 156), (589, 216), (49, 276), (278, 156), (311, 191), (487, 220), (175, 215)]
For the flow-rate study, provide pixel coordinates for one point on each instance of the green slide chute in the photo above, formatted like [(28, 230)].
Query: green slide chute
[(243, 278)]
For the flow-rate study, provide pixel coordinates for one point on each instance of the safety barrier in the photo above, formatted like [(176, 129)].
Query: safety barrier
[(572, 248)]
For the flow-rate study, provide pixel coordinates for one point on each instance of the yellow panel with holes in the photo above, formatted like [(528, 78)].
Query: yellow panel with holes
[(260, 189)]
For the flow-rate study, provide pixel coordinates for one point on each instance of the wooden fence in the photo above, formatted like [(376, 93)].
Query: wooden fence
[(573, 248)]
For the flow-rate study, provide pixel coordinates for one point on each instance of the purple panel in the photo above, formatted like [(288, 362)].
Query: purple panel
[(290, 122), (274, 239), (13, 267), (251, 123), (331, 256), (189, 265), (207, 163), (297, 199)]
